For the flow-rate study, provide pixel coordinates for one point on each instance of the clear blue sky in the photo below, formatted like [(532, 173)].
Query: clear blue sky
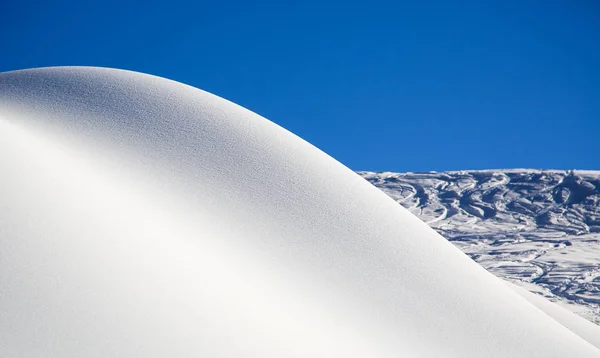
[(442, 85)]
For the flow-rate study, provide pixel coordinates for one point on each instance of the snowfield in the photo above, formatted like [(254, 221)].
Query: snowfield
[(140, 217), (537, 228)]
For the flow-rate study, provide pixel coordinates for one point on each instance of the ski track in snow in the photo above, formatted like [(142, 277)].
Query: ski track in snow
[(537, 228)]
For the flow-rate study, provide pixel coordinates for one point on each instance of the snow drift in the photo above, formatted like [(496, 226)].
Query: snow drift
[(143, 217)]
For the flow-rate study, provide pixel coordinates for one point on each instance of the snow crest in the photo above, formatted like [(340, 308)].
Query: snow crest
[(140, 217)]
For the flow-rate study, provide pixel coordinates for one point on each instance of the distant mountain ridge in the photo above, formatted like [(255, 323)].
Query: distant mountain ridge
[(539, 228)]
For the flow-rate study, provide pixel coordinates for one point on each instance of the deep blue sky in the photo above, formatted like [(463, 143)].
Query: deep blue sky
[(442, 85)]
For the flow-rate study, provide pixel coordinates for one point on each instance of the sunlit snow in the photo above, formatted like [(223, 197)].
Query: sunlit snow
[(537, 228), (140, 217)]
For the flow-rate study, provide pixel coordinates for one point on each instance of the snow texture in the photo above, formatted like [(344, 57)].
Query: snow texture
[(537, 228), (140, 217)]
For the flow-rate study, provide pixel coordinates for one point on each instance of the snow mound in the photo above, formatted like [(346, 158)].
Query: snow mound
[(140, 217)]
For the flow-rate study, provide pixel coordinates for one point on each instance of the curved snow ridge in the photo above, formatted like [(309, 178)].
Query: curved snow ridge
[(143, 217)]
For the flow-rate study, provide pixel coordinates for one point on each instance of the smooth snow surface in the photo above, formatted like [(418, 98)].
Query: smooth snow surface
[(579, 325), (140, 217)]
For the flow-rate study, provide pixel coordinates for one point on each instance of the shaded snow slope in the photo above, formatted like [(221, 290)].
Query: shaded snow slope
[(142, 217), (579, 325), (539, 228)]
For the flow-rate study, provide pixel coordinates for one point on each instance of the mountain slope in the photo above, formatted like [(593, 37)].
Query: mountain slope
[(539, 228), (140, 217)]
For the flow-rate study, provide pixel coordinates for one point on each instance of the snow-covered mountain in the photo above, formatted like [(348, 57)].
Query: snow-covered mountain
[(140, 217), (538, 228)]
